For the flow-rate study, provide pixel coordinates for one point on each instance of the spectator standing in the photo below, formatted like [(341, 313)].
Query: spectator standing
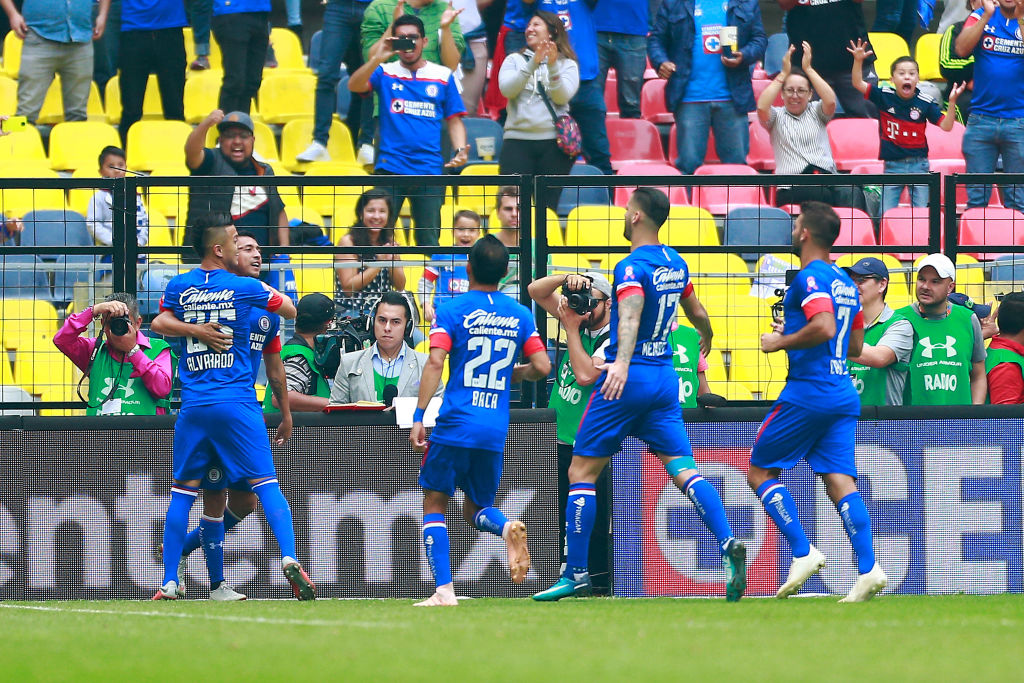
[(996, 125), (357, 288), (622, 27), (956, 69), (544, 74), (511, 38), (151, 42), (99, 217), (242, 29), (829, 27), (954, 12), (58, 37), (708, 85), (441, 29), (1004, 364), (105, 49), (415, 97), (200, 13), (896, 16), (947, 363), (587, 105), (474, 57), (307, 387)]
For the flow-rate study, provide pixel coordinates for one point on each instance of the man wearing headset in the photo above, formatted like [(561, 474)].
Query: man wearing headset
[(307, 388), (388, 368)]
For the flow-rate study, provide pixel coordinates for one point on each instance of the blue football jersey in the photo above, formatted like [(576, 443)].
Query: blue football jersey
[(200, 296), (661, 275), (818, 377), (263, 329), (484, 334), (450, 281)]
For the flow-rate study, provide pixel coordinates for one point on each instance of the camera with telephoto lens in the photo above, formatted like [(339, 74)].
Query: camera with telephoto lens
[(343, 336), (580, 300), (120, 325)]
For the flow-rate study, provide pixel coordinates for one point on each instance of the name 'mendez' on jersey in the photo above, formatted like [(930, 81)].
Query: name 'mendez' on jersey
[(661, 275), (201, 296), (483, 333), (818, 377)]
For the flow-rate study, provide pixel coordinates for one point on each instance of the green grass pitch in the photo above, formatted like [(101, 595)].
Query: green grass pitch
[(897, 638)]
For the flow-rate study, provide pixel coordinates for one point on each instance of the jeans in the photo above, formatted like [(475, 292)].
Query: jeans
[(589, 110), (243, 40), (985, 139), (695, 119), (628, 54), (426, 204), (918, 193), (199, 15), (294, 10), (104, 50), (40, 60), (143, 52), (340, 41), (896, 16)]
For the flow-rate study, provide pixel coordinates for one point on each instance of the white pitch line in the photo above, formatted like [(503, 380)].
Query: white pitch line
[(209, 617)]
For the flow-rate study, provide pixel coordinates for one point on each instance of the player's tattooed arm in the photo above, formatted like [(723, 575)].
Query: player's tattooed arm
[(630, 310)]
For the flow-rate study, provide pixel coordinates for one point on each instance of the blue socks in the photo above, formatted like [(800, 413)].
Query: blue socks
[(491, 520), (211, 532), (175, 526), (192, 540), (438, 547), (278, 514), (580, 513), (780, 506), (857, 523), (709, 506)]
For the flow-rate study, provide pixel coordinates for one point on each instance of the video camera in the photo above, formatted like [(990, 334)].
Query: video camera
[(779, 306), (580, 300), (344, 336)]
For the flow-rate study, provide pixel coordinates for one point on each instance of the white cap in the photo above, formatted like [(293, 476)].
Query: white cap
[(600, 282), (941, 263)]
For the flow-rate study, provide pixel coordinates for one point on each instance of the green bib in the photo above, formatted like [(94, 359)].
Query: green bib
[(131, 396), (288, 351), (685, 343), (569, 399), (997, 356), (380, 381), (939, 372), (869, 382)]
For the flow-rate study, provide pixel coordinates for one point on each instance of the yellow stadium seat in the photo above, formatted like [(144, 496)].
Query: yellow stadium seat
[(190, 53), (12, 55), (42, 368), (264, 144), (77, 144), (897, 278), (590, 226), (8, 94), (201, 93), (479, 198), (19, 201), (169, 200), (78, 198), (734, 391), (155, 143), (888, 47), (689, 226), (287, 52), (152, 105), (718, 275), (23, 146), (21, 320), (298, 133), (160, 232), (286, 97), (53, 106), (926, 52), (716, 369), (313, 273), (764, 374)]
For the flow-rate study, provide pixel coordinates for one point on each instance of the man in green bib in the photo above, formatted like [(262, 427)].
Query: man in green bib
[(947, 363), (1005, 361), (574, 382), (689, 365), (308, 391), (879, 373), (128, 373)]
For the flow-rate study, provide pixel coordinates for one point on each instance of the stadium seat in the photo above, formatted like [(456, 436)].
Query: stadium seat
[(288, 52), (762, 226), (344, 99), (8, 94), (855, 229), (201, 94), (897, 276), (77, 144), (764, 374), (161, 234), (314, 274), (611, 97), (652, 102), (72, 270), (484, 137), (778, 45), (634, 140), (761, 156), (869, 168), (905, 226), (677, 194), (759, 86), (943, 145), (336, 201), (43, 368), (190, 53), (152, 283), (152, 105), (990, 226), (53, 105), (710, 156), (287, 97), (24, 317), (22, 277), (926, 52), (19, 201), (689, 226), (719, 199), (573, 196), (719, 276), (479, 198), (24, 147), (297, 134), (12, 55), (1009, 267), (55, 228), (853, 141), (156, 143), (595, 226), (265, 143), (888, 47), (169, 200)]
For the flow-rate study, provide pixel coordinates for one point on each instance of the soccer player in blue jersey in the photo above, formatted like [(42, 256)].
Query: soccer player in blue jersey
[(482, 333), (220, 421), (226, 503), (638, 395), (815, 416)]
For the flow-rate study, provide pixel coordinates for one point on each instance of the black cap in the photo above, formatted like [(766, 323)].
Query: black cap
[(314, 310), (980, 310)]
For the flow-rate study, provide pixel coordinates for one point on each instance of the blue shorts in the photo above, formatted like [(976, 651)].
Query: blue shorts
[(474, 470), (215, 480), (790, 433), (648, 409), (232, 436)]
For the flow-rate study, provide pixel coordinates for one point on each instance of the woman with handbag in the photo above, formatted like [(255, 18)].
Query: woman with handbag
[(540, 136)]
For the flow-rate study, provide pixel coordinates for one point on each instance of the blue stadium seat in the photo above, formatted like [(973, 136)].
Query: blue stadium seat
[(152, 283), (55, 228), (72, 269), (481, 132), (572, 197), (1005, 270), (778, 44), (758, 225), (21, 278), (314, 49), (344, 98)]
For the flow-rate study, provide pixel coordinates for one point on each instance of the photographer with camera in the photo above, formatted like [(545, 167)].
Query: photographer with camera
[(389, 367), (129, 373), (307, 387), (581, 303)]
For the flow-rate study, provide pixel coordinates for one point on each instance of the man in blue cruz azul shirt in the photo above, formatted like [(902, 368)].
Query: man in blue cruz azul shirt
[(815, 416), (220, 422), (482, 333), (638, 395)]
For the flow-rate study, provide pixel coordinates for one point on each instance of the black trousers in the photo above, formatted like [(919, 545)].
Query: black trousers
[(426, 202), (144, 52), (535, 157), (243, 40), (601, 538)]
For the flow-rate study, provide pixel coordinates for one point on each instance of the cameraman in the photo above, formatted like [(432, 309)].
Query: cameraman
[(129, 373), (307, 388), (388, 368), (585, 334)]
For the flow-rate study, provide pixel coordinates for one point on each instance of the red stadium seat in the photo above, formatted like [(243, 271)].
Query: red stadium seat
[(943, 145), (710, 157), (761, 155), (611, 100), (855, 228), (720, 199), (990, 225), (760, 85), (634, 141), (652, 102), (906, 226), (868, 168), (853, 141), (677, 194)]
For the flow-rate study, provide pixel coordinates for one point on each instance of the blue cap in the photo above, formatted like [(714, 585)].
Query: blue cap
[(980, 310), (869, 267)]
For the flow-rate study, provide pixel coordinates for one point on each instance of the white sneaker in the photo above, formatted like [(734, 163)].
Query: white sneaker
[(867, 585), (802, 569), (518, 551), (444, 596), (365, 156), (315, 152), (225, 593), (168, 591)]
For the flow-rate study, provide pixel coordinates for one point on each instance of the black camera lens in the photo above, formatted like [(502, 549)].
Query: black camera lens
[(120, 325)]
